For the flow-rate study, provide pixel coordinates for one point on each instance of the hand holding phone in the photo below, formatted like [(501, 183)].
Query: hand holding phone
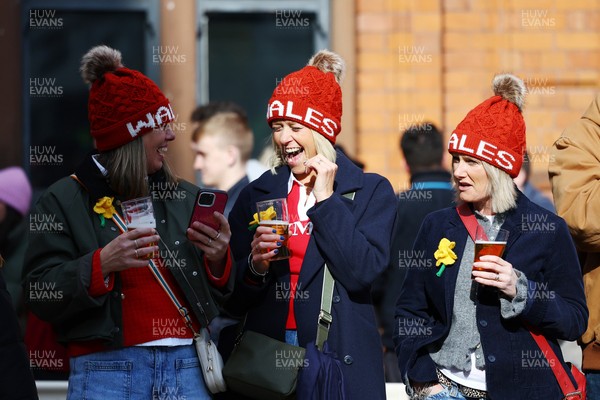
[(207, 202)]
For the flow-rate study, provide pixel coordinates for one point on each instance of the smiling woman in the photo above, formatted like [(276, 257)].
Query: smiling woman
[(282, 297), (92, 282)]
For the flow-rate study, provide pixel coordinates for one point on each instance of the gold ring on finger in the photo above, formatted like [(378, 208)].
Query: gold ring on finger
[(136, 254)]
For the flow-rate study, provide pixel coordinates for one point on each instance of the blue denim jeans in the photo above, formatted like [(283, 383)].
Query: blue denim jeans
[(592, 379), (138, 373), (291, 337)]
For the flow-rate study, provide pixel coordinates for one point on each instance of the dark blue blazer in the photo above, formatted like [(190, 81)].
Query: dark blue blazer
[(353, 237), (540, 246)]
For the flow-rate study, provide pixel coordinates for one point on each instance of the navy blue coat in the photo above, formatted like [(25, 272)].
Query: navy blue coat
[(353, 237), (540, 246)]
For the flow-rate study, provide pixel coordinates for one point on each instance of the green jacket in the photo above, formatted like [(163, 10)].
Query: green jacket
[(64, 234)]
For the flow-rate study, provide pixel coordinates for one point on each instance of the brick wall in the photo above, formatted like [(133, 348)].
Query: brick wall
[(434, 60)]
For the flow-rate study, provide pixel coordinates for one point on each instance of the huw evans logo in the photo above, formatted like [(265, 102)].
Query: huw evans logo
[(290, 290), (44, 155), (413, 120), (171, 259), (414, 259), (168, 55), (45, 359), (44, 19), (413, 327), (44, 87), (414, 55), (535, 359), (166, 327), (45, 223), (290, 86), (291, 19), (539, 86), (537, 222), (537, 19), (44, 291), (167, 393), (290, 359), (167, 191)]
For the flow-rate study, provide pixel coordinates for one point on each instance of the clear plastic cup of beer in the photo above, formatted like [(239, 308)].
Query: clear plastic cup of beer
[(139, 213), (485, 245), (274, 214)]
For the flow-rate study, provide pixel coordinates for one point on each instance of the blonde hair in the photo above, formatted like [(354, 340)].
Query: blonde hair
[(128, 171), (500, 188), (322, 146), (231, 128)]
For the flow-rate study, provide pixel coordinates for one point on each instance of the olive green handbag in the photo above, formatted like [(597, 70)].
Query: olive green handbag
[(264, 368)]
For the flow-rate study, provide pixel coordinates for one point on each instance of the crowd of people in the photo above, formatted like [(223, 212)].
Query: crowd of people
[(413, 301)]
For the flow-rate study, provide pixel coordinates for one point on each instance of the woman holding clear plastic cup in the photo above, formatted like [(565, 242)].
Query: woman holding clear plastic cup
[(338, 215), (464, 319), (91, 278)]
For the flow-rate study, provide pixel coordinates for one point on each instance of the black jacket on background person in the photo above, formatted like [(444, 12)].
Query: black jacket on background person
[(430, 191), (16, 379)]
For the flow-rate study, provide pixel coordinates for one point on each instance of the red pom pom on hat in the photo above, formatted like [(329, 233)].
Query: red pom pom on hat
[(494, 131), (123, 103), (312, 96)]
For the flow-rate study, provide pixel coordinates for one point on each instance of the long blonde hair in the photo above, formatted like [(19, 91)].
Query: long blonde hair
[(127, 169), (322, 146)]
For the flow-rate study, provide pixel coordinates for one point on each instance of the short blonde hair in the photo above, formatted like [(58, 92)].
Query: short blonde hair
[(501, 189), (231, 128), (322, 146)]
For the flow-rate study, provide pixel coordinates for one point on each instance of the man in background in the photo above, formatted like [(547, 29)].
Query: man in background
[(223, 141), (431, 189)]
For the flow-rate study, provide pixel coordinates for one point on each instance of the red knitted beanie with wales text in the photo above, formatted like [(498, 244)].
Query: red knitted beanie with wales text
[(123, 103), (494, 131), (312, 96)]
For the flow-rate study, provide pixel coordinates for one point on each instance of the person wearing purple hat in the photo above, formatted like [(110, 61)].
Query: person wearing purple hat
[(16, 379), (15, 199)]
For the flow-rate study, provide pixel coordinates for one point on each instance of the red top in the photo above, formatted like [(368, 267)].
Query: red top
[(147, 311), (299, 235)]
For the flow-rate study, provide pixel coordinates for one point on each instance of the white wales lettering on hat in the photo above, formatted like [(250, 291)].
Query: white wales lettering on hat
[(485, 150), (311, 117), (162, 115)]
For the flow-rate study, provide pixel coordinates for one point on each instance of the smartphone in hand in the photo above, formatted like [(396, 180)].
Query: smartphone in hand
[(207, 202)]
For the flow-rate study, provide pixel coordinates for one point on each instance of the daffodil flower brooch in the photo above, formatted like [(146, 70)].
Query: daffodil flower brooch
[(444, 255), (105, 209)]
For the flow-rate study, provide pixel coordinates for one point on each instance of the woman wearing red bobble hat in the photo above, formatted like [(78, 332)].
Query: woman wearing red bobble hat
[(88, 274), (339, 216), (475, 317)]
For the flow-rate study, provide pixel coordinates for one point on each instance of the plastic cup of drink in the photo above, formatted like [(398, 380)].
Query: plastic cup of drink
[(274, 214), (485, 246), (139, 213)]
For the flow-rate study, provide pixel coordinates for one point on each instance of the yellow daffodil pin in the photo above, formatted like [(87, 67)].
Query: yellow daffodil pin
[(268, 214), (444, 255), (105, 209)]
